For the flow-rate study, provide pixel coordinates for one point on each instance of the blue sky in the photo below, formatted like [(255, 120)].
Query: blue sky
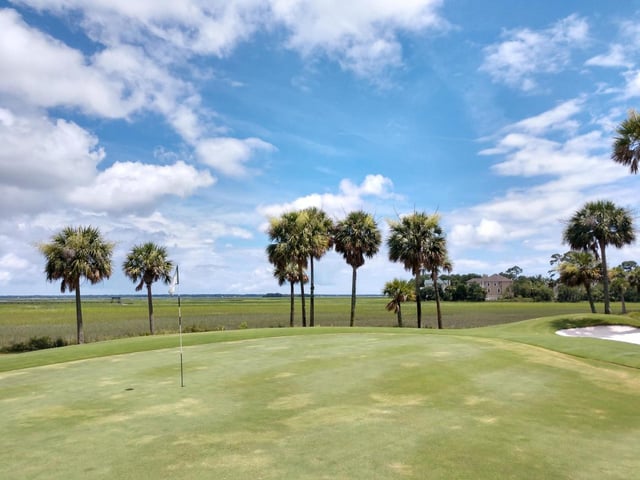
[(190, 123)]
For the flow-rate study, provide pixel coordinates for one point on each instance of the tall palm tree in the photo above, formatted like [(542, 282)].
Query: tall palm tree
[(626, 145), (73, 254), (437, 259), (318, 230), (399, 291), (290, 243), (356, 237), (577, 268), (288, 272), (409, 242), (147, 263), (594, 227)]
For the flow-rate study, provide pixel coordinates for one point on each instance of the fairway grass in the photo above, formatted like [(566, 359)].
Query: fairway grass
[(499, 402)]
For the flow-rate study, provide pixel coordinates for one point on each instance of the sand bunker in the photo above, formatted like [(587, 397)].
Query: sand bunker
[(619, 333)]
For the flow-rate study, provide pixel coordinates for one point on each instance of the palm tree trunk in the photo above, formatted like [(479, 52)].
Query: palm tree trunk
[(304, 308), (311, 297), (150, 305), (353, 297), (605, 278), (587, 287), (399, 316), (418, 301), (292, 305), (623, 305), (79, 327), (434, 279)]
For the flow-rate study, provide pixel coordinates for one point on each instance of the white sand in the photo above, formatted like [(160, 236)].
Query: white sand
[(619, 333)]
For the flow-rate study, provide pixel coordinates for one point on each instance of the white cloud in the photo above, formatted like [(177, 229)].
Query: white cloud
[(615, 57), (558, 118), (131, 185), (525, 53), (29, 58), (38, 153), (230, 155), (363, 38), (485, 232), (351, 197), (41, 159)]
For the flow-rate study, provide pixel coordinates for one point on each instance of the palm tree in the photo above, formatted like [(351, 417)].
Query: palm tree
[(578, 269), (619, 285), (633, 276), (399, 291), (356, 237), (626, 146), (318, 229), (290, 244), (288, 272), (75, 253), (409, 242), (147, 263), (437, 259), (596, 226)]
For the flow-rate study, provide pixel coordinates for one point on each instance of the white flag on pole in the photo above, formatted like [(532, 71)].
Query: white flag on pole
[(175, 281)]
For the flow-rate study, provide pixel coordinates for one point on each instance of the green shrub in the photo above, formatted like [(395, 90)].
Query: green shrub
[(35, 343)]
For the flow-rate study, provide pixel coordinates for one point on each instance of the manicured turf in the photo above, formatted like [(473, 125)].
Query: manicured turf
[(366, 403)]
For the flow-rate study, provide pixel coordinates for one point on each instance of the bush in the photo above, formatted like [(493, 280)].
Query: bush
[(35, 343)]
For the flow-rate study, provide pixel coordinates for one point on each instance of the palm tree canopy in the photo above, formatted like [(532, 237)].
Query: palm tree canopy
[(578, 268), (626, 145), (599, 222), (147, 263), (357, 237), (290, 241), (318, 230), (75, 253), (288, 273), (399, 291), (412, 238)]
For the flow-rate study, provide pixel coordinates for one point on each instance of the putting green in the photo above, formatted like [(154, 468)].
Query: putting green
[(335, 406)]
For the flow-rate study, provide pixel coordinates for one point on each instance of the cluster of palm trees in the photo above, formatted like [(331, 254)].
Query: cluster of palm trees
[(600, 224), (299, 237), (77, 253)]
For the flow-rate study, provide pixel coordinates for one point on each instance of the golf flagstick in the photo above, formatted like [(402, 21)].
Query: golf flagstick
[(175, 281)]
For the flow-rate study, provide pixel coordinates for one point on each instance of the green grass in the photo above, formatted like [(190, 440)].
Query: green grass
[(508, 401), (103, 320)]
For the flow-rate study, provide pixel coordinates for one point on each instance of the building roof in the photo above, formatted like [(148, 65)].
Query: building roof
[(493, 278)]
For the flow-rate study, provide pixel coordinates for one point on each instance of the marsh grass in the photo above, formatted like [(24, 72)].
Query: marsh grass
[(103, 319)]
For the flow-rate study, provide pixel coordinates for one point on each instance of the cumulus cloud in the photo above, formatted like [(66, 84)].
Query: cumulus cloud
[(38, 153), (362, 39), (351, 197), (230, 155), (130, 185), (30, 57), (486, 232), (525, 53)]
